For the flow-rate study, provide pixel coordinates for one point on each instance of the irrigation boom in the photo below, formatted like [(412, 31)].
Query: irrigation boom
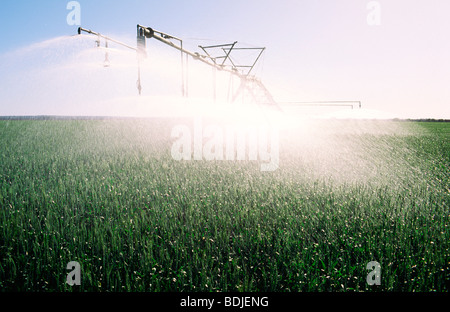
[(162, 37), (223, 62), (80, 29)]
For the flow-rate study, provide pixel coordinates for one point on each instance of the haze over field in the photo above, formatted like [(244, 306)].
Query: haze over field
[(109, 195)]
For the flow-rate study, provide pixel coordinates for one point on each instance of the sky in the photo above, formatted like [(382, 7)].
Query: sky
[(392, 55)]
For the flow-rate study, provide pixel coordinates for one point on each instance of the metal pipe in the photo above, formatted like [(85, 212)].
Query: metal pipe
[(153, 34), (229, 51), (260, 53), (80, 29), (196, 56), (167, 36)]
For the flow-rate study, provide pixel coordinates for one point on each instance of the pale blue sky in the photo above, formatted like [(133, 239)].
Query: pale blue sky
[(316, 49)]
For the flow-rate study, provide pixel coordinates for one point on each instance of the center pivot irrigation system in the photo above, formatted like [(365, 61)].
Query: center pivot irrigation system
[(219, 57)]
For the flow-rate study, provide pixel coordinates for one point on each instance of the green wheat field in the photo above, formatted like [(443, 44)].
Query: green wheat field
[(108, 194)]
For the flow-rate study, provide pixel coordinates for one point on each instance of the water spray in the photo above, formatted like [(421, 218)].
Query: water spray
[(107, 62)]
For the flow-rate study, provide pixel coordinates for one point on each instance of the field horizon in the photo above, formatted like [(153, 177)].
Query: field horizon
[(105, 117)]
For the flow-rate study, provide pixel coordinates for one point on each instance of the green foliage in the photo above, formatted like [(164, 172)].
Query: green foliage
[(108, 194)]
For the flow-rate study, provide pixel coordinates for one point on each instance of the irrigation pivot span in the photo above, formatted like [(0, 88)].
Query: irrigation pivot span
[(223, 62)]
